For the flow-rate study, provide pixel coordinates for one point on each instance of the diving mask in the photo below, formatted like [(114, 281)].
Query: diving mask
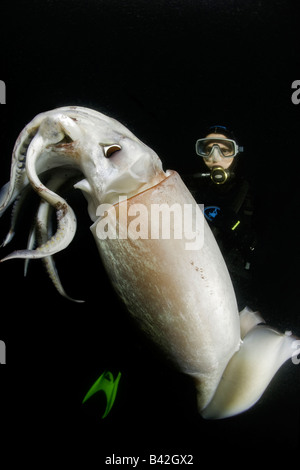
[(227, 148)]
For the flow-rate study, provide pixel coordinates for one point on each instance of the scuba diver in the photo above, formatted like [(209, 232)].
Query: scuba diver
[(228, 205)]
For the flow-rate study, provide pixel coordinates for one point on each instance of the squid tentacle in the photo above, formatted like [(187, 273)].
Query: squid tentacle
[(31, 244), (50, 132), (18, 176), (17, 205), (42, 229)]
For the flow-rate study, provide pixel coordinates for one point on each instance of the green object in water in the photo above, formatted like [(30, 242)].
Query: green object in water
[(109, 386)]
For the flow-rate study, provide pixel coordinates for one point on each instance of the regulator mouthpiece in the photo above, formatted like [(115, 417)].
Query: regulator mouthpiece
[(219, 175)]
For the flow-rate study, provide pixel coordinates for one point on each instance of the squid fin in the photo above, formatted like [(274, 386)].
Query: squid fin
[(250, 371), (248, 320)]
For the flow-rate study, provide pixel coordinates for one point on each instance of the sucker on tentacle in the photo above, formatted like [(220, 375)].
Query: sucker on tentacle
[(18, 177), (179, 292)]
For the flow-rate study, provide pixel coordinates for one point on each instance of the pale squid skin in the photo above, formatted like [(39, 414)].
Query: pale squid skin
[(183, 299)]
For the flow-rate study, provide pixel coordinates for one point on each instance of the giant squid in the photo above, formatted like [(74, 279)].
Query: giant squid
[(179, 292)]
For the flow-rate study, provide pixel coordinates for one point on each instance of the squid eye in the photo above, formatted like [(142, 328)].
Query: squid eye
[(110, 149)]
